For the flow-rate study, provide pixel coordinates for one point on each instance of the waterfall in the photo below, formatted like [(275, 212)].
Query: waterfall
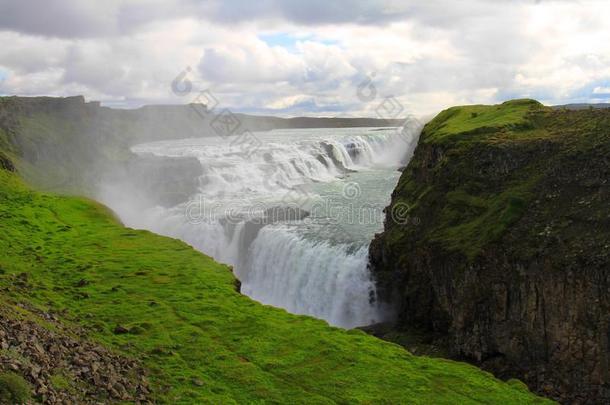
[(313, 278), (289, 261)]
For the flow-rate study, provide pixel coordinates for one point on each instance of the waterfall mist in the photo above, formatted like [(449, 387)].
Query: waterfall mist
[(257, 206)]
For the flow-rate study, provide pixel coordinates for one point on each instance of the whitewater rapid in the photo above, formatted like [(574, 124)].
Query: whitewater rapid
[(293, 211)]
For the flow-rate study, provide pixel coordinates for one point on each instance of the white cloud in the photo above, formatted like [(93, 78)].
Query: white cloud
[(601, 90), (426, 54), (250, 61)]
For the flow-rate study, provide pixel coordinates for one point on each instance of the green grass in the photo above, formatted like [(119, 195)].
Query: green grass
[(62, 381), (487, 220), (14, 389), (472, 144), (203, 341), (465, 122), (479, 170)]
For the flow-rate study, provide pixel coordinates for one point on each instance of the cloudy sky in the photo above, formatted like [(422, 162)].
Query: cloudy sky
[(310, 57)]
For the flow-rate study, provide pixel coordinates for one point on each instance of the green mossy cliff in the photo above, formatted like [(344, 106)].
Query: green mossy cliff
[(159, 301), (497, 241)]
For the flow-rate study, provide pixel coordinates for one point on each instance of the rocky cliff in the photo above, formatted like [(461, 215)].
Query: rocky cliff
[(497, 241)]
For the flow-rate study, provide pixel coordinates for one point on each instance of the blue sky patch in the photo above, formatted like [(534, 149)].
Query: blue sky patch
[(303, 108), (289, 41), (279, 39), (593, 91)]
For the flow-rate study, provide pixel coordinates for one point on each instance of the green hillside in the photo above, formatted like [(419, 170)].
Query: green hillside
[(202, 340)]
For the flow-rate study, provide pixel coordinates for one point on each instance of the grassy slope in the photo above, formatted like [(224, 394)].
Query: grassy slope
[(465, 121), (188, 322), (472, 140)]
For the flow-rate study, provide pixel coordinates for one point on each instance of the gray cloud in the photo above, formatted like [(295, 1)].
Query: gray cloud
[(79, 19), (430, 54), (60, 18), (312, 12)]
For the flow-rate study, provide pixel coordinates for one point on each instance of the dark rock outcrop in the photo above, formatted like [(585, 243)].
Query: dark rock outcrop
[(6, 163), (253, 224), (497, 242), (330, 152)]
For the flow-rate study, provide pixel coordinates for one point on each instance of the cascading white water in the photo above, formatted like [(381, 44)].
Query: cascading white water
[(305, 277), (315, 265)]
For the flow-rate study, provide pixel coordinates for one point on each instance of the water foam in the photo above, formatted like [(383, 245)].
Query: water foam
[(278, 264)]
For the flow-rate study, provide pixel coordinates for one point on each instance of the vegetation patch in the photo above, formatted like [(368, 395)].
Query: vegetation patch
[(202, 341), (13, 389), (467, 122)]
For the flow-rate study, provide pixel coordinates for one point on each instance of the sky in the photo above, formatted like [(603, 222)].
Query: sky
[(312, 57)]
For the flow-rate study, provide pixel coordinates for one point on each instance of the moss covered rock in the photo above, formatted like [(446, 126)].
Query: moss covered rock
[(497, 239)]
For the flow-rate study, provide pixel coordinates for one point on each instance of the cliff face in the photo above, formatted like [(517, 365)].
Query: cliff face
[(497, 240)]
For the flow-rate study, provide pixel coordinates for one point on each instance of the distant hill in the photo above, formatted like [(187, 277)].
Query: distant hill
[(68, 143), (155, 122), (582, 106)]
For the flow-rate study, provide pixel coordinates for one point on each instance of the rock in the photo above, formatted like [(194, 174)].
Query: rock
[(276, 214), (330, 152), (82, 282), (510, 261), (198, 382), (6, 163), (120, 330), (86, 366), (38, 347)]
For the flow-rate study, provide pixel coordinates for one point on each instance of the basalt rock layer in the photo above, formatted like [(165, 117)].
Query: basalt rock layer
[(497, 241)]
